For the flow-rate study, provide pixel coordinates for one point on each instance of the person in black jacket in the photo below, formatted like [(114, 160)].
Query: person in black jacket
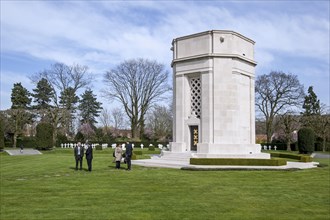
[(128, 155), (89, 156), (78, 155)]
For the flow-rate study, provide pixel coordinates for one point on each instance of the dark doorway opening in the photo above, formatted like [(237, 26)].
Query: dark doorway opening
[(193, 137)]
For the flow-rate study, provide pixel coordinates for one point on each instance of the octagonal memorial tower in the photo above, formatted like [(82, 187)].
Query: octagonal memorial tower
[(214, 113)]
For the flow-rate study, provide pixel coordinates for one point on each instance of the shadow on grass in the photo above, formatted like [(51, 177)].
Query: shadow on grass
[(83, 169)]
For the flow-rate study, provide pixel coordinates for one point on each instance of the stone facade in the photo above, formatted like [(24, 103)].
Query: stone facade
[(213, 77)]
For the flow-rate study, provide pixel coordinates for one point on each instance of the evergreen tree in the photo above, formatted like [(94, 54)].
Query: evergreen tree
[(311, 103), (43, 94), (19, 114), (20, 97), (89, 108), (68, 100)]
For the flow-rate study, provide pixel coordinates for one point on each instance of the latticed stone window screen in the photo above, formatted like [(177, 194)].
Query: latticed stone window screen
[(195, 94)]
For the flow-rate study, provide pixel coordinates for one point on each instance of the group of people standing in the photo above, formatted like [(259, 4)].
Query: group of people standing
[(79, 155), (118, 154)]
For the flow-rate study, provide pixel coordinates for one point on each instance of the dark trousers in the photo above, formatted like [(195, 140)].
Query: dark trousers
[(128, 161), (89, 164), (78, 159), (117, 164)]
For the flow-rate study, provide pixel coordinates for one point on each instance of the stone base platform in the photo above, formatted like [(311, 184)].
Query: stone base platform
[(182, 161), (22, 153)]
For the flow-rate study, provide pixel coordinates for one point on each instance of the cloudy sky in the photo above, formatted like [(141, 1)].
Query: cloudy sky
[(291, 36)]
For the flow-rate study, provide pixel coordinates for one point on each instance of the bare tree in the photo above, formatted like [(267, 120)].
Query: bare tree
[(137, 84), (160, 121), (105, 119), (87, 130), (286, 125), (17, 119), (276, 92), (62, 78), (118, 118)]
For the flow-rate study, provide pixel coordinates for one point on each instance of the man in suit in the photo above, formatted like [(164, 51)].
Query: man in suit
[(128, 154), (79, 154), (89, 156)]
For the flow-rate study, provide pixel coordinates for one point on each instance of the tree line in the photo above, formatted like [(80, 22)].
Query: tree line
[(285, 108), (137, 84)]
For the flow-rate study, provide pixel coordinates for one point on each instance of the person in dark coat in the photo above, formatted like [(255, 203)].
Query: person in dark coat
[(89, 156), (128, 155), (78, 154), (22, 147)]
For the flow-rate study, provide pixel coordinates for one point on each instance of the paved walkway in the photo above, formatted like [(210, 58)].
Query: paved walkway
[(157, 161), (320, 155), (25, 152)]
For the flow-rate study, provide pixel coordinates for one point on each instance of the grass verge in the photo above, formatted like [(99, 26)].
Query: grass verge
[(47, 187)]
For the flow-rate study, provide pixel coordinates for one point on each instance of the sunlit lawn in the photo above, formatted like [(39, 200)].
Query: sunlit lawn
[(47, 187)]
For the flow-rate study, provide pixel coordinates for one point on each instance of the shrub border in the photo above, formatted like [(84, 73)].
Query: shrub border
[(301, 158), (237, 161)]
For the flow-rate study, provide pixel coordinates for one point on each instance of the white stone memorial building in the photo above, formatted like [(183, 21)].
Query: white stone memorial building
[(214, 101)]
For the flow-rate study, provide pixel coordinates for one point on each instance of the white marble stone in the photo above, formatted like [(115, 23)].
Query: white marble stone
[(224, 63)]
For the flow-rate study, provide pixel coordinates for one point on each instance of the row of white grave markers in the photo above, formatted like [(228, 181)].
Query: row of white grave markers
[(160, 146), (72, 145), (269, 147)]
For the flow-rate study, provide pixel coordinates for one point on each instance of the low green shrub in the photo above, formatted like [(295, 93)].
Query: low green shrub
[(151, 148), (27, 142), (98, 147), (237, 161), (134, 157), (301, 158), (137, 152), (306, 159)]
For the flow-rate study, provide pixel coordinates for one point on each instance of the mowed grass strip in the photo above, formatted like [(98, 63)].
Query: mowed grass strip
[(47, 187)]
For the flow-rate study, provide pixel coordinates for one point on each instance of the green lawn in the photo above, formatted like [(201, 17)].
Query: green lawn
[(47, 187)]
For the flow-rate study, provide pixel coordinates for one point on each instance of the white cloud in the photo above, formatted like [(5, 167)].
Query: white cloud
[(42, 30), (8, 79), (102, 34)]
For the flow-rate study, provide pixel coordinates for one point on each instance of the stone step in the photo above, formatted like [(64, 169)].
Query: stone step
[(167, 154), (161, 163), (18, 152)]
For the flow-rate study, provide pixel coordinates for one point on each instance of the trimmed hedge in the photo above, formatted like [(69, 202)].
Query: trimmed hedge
[(134, 156), (137, 152), (44, 136), (301, 158), (27, 142), (151, 148), (306, 138), (237, 161)]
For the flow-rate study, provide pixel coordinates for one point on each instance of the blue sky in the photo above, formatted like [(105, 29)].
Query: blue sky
[(291, 36)]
